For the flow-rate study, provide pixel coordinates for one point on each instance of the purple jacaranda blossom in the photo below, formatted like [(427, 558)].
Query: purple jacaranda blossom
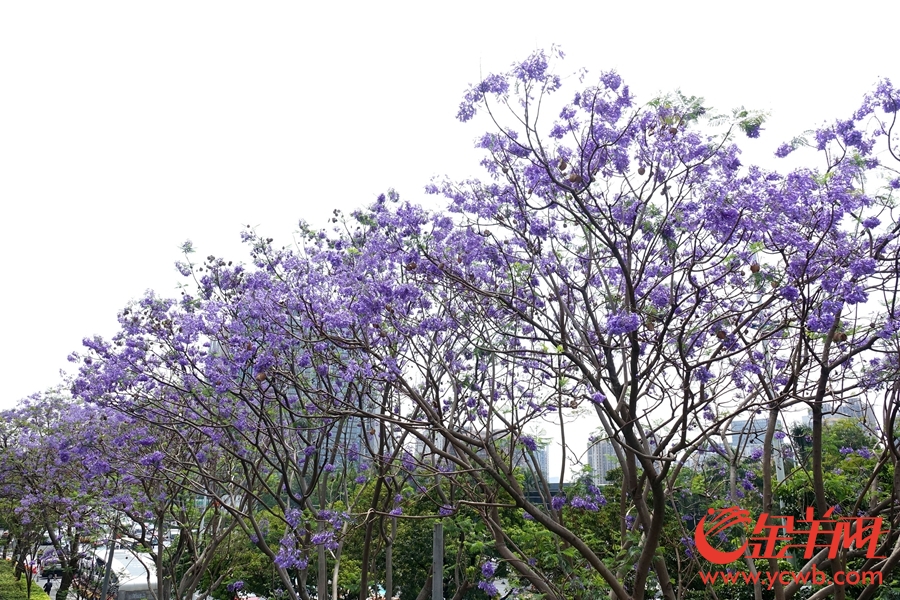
[(689, 546), (488, 569), (790, 293), (747, 481), (557, 502), (752, 127), (324, 538), (622, 323), (590, 503), (703, 374), (293, 517), (660, 297), (408, 462), (783, 150), (871, 222), (489, 588), (353, 452), (153, 459)]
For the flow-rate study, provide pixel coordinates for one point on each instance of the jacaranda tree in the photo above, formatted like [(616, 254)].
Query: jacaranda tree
[(58, 466), (617, 263)]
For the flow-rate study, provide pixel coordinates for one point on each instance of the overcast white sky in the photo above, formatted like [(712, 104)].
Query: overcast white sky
[(127, 128)]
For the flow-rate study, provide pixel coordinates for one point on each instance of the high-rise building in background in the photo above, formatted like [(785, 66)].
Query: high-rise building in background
[(850, 408), (541, 457), (359, 439), (857, 408), (422, 452), (601, 459), (748, 435)]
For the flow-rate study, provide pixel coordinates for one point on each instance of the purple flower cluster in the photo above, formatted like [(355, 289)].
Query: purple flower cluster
[(557, 502), (488, 571), (619, 324), (690, 548), (598, 398)]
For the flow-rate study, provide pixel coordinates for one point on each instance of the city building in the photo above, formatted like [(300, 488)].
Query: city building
[(850, 408), (541, 457), (602, 459), (748, 435), (422, 452)]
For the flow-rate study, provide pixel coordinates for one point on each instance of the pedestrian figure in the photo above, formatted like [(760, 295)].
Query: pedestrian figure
[(48, 586)]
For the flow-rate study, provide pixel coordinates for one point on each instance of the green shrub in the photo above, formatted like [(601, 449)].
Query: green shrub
[(10, 589)]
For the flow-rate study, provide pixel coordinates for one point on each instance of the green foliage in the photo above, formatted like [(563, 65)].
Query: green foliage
[(412, 556), (239, 559), (687, 108), (10, 589), (845, 473), (843, 433)]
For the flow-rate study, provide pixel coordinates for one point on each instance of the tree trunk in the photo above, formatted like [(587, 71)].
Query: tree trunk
[(461, 590), (322, 574), (323, 560), (20, 562), (68, 574), (367, 543), (337, 563), (426, 589)]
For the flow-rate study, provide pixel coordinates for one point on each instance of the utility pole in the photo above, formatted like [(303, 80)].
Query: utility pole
[(389, 562), (437, 562), (109, 560)]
